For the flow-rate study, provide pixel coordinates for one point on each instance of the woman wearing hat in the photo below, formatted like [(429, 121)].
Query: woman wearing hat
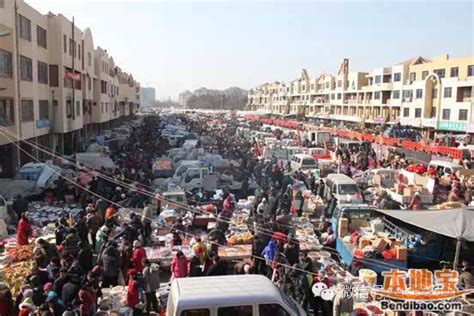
[(24, 231)]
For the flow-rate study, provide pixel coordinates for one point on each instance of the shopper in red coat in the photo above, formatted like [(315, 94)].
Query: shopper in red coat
[(132, 291), (138, 255), (24, 231)]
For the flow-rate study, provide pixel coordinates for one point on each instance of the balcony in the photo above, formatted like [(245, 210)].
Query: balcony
[(383, 86)]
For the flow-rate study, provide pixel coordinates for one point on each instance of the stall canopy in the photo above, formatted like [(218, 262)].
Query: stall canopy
[(455, 223)]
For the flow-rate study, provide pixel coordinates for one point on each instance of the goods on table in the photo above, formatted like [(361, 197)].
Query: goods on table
[(235, 252), (240, 238), (15, 274), (447, 205), (44, 214), (20, 253)]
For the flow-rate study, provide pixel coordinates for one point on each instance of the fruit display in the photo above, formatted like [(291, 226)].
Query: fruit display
[(20, 253), (15, 274), (447, 206), (244, 238)]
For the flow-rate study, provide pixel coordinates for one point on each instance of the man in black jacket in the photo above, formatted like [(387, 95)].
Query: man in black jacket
[(218, 267)]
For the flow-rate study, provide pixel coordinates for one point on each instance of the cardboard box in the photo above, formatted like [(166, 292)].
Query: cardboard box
[(380, 244), (364, 241), (343, 225), (409, 191), (401, 252), (377, 180)]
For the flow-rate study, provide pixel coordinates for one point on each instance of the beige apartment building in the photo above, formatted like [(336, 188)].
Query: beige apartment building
[(56, 89), (434, 94)]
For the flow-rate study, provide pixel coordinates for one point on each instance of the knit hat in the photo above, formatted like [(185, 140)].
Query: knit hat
[(48, 286), (137, 244), (28, 293), (51, 296)]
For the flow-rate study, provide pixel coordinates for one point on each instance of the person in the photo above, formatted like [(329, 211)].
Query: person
[(200, 250), (177, 229), (70, 290), (299, 203), (415, 203), (20, 205), (27, 306), (138, 255), (85, 257), (110, 266), (263, 209), (133, 298), (87, 300), (24, 231), (55, 303), (194, 267), (179, 266), (147, 216), (7, 307), (101, 238), (71, 243), (60, 281), (49, 249), (343, 304), (466, 279), (93, 222), (292, 250), (151, 283), (218, 267)]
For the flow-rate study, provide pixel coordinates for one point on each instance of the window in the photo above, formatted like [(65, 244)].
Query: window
[(79, 51), (339, 83), (43, 110), (42, 73), (5, 63), (434, 94), (196, 312), (339, 96), (413, 76), (433, 112), (396, 94), (397, 77), (41, 37), (419, 93), (447, 92), (470, 71), (65, 44), (6, 112), (27, 111), (327, 85), (462, 115), (376, 95), (378, 79), (446, 114), (417, 113), (72, 48), (235, 311), (89, 83), (26, 71), (406, 112), (454, 72), (53, 76), (2, 4), (312, 86), (272, 310), (332, 96), (78, 108), (424, 74), (69, 108), (103, 87), (439, 72), (24, 27)]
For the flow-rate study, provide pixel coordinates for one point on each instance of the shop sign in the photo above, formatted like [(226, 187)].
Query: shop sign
[(452, 126)]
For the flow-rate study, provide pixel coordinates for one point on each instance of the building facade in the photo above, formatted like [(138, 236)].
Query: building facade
[(434, 94), (51, 85)]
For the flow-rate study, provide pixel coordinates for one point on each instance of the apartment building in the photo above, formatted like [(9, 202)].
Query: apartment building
[(434, 94), (50, 85)]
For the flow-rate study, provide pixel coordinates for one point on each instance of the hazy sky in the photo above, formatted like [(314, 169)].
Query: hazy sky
[(178, 45)]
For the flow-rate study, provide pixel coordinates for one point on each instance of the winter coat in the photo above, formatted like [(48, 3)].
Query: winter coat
[(147, 214), (269, 251), (132, 293), (151, 278), (110, 263), (93, 222), (24, 232), (138, 255), (69, 293), (6, 303), (216, 269), (179, 267), (87, 297)]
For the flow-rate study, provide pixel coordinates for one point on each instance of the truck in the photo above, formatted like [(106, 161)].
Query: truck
[(358, 216)]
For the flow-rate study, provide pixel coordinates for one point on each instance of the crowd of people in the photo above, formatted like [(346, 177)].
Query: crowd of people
[(99, 249)]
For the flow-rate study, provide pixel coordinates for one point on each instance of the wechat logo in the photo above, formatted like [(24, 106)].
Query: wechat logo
[(320, 289)]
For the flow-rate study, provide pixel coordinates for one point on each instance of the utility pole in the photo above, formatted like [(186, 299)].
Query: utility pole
[(18, 94)]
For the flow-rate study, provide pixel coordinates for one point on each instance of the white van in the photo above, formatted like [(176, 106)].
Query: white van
[(303, 162), (243, 295), (343, 188), (446, 167)]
